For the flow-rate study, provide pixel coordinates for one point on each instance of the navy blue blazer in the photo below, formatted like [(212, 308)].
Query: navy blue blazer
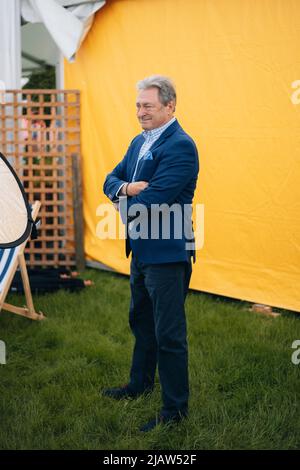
[(171, 168)]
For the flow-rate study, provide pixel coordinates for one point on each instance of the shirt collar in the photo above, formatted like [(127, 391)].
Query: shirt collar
[(158, 130)]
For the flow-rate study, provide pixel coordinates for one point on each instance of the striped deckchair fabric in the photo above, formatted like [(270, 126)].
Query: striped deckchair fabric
[(7, 258), (10, 260)]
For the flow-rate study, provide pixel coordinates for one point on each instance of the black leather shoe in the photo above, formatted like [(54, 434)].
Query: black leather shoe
[(161, 420), (120, 393)]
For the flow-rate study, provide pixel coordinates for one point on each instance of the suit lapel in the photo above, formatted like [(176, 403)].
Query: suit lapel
[(167, 133), (135, 155)]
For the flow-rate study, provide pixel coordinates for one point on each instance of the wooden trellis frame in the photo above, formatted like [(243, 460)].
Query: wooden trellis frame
[(40, 135)]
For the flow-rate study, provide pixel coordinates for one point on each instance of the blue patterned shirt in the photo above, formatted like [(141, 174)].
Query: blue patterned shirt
[(150, 137)]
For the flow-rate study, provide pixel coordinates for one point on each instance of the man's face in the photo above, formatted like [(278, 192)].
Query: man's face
[(150, 111)]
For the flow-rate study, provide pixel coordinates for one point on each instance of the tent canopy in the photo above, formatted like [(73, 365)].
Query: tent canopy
[(50, 27), (67, 23)]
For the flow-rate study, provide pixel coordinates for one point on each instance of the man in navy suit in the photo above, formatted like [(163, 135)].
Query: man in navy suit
[(156, 180)]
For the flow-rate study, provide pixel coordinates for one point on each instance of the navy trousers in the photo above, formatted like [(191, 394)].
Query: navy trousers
[(158, 323)]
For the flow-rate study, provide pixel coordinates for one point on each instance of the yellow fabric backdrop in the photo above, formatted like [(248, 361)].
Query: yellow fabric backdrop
[(234, 63)]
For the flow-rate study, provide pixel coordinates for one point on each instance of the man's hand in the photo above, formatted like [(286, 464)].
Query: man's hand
[(133, 189)]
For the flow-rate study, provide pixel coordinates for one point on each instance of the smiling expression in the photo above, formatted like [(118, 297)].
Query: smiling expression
[(150, 111)]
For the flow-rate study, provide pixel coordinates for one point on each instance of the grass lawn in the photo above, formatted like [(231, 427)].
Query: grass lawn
[(244, 387)]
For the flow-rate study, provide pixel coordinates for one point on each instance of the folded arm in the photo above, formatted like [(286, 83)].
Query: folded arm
[(116, 183), (174, 171)]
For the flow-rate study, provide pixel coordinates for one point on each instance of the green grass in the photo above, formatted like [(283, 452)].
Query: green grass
[(244, 387)]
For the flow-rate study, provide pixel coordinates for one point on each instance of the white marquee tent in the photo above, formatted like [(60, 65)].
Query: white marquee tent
[(50, 29)]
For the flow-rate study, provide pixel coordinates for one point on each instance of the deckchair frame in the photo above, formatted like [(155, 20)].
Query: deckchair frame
[(27, 311)]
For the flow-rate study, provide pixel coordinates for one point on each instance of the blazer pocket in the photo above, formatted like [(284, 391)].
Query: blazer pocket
[(146, 170)]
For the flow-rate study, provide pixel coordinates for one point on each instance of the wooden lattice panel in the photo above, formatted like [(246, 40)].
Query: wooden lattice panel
[(40, 135)]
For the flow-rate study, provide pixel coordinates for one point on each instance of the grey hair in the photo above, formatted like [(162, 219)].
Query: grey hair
[(166, 88)]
